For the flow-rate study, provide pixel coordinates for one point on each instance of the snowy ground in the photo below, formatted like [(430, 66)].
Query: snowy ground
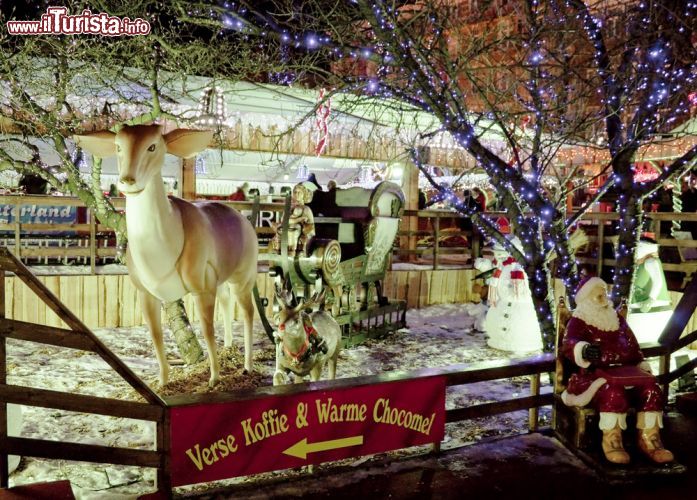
[(437, 336)]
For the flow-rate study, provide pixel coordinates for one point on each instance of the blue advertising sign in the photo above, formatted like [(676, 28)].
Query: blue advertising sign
[(39, 214)]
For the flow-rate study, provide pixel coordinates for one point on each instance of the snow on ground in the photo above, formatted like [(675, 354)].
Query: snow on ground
[(437, 336)]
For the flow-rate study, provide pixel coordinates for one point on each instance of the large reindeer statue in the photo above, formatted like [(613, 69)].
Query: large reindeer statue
[(305, 342), (176, 247)]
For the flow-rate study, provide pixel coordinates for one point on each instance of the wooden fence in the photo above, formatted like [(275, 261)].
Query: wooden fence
[(77, 336), (111, 300), (158, 410), (437, 241)]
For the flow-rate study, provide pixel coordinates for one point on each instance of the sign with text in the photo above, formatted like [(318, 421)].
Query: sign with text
[(40, 214), (224, 440)]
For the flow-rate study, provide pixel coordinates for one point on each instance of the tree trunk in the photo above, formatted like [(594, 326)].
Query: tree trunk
[(543, 300), (566, 266), (631, 218), (540, 282), (187, 343)]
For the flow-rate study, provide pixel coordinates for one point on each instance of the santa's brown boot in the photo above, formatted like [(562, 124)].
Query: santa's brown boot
[(612, 446), (649, 438)]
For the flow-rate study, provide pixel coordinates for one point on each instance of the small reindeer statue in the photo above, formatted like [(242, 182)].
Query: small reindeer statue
[(176, 247), (305, 342)]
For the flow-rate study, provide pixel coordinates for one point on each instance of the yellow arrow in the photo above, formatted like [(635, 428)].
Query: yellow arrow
[(302, 447)]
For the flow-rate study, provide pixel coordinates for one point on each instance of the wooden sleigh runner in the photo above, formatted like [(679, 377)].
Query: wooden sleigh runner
[(577, 427), (344, 249)]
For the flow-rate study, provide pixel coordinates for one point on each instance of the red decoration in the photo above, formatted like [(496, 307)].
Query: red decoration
[(503, 225), (645, 172), (322, 121)]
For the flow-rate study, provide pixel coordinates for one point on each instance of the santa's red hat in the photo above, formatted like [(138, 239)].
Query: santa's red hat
[(585, 286)]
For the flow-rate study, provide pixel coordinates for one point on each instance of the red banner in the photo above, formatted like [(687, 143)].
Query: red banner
[(224, 440)]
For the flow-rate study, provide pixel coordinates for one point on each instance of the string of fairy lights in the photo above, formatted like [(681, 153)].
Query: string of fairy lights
[(406, 71)]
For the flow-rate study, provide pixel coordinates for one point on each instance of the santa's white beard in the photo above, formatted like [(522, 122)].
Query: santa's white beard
[(602, 318)]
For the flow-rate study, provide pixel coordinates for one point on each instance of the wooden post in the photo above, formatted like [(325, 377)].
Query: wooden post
[(163, 481), (436, 235), (189, 178), (4, 470), (411, 196), (18, 230), (656, 226), (93, 241), (534, 411), (476, 244), (663, 368), (601, 243)]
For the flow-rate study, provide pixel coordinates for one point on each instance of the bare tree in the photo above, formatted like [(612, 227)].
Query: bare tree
[(515, 84), (56, 86), (645, 72)]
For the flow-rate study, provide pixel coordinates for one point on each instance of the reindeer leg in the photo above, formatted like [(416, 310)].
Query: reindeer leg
[(226, 303), (332, 366), (205, 304), (279, 376), (244, 299), (316, 372), (151, 307)]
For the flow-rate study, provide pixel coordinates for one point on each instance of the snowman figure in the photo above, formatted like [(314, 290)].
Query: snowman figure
[(511, 323), (650, 308)]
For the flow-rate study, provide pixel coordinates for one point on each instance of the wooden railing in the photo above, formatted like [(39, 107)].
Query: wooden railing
[(430, 237), (78, 336), (598, 224), (438, 239), (158, 410)]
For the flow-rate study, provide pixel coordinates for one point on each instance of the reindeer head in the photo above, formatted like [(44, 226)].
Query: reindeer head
[(140, 150), (291, 319)]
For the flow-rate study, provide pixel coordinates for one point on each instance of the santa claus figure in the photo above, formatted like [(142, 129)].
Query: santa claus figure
[(610, 367), (649, 304), (511, 323)]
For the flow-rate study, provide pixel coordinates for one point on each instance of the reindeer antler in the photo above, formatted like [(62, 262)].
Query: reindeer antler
[(284, 296), (316, 299)]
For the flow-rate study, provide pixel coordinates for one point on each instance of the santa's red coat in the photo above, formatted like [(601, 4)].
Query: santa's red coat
[(618, 348)]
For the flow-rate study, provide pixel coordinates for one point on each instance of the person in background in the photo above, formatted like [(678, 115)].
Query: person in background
[(689, 204), (422, 200), (240, 194), (331, 185), (312, 178), (33, 184)]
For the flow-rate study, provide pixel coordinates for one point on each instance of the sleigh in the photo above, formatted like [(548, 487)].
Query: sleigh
[(347, 256)]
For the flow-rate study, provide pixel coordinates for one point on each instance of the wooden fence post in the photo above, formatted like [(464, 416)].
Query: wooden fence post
[(164, 477), (18, 229), (533, 412), (4, 468), (601, 244), (436, 236), (93, 241)]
